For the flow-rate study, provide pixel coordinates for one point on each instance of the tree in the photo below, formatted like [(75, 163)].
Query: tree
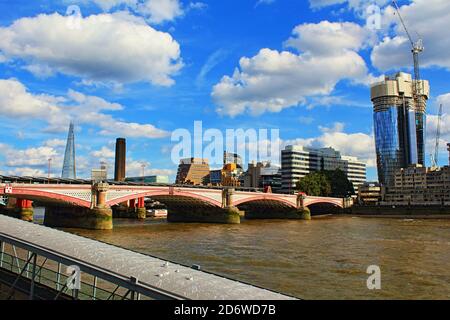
[(315, 184), (340, 185), (326, 183)]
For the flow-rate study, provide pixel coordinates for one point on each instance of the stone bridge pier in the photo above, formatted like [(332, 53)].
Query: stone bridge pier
[(97, 217), (19, 208), (203, 212), (132, 209)]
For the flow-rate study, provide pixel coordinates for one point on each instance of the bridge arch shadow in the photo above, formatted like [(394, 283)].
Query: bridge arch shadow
[(170, 199), (267, 209), (320, 208)]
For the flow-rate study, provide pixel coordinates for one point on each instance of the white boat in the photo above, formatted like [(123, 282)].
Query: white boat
[(157, 213)]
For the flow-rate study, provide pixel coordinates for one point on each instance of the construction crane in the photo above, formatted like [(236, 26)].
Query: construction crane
[(417, 49), (435, 157)]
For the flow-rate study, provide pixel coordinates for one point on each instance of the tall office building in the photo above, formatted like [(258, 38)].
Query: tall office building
[(298, 161), (69, 166), (121, 156), (399, 123)]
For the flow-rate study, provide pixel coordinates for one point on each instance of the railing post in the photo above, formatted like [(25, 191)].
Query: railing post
[(134, 281), (94, 289), (33, 275), (58, 277), (2, 250)]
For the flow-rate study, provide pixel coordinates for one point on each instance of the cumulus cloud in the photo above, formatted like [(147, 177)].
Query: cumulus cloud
[(103, 153), (432, 121), (30, 161), (17, 101), (33, 161), (360, 145), (274, 80), (159, 11), (154, 11), (134, 169), (108, 48), (429, 18)]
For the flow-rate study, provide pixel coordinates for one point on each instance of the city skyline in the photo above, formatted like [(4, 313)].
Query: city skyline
[(194, 82)]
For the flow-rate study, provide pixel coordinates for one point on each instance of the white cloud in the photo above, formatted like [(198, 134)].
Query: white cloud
[(34, 161), (16, 101), (432, 121), (55, 143), (154, 11), (328, 38), (103, 153), (29, 162), (134, 169), (107, 48), (159, 11), (359, 145), (273, 80), (213, 60), (429, 18)]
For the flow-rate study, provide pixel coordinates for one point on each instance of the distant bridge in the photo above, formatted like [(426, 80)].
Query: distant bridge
[(85, 194)]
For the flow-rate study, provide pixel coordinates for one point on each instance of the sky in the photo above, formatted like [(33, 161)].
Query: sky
[(141, 69)]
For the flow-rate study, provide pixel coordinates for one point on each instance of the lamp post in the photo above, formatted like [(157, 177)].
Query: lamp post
[(49, 169), (143, 165)]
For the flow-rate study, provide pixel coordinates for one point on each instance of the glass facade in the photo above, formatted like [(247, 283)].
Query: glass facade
[(388, 143), (399, 139)]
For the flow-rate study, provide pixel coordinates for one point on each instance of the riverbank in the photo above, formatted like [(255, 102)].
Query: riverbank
[(402, 212)]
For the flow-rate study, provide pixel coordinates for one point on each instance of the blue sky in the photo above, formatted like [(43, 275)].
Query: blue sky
[(144, 68)]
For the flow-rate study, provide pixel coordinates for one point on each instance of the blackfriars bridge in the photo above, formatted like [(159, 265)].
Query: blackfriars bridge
[(83, 204)]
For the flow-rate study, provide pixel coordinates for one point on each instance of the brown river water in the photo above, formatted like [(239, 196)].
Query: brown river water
[(325, 258)]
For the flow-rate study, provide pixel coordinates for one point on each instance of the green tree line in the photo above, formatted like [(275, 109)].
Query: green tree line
[(326, 183)]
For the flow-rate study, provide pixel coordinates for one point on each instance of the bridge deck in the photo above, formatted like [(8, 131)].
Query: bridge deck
[(181, 280)]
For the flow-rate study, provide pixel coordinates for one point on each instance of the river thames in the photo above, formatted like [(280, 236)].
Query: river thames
[(325, 258)]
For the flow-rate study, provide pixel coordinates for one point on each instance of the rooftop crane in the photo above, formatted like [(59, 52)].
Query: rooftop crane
[(434, 158), (417, 48)]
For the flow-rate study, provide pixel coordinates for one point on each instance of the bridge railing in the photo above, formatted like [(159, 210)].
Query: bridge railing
[(44, 267), (38, 180)]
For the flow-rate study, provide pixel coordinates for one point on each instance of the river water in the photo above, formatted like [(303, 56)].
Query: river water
[(325, 258)]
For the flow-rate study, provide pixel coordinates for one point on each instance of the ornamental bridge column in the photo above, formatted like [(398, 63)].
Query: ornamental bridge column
[(24, 209), (302, 210)]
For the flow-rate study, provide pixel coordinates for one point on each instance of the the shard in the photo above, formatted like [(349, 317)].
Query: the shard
[(69, 168)]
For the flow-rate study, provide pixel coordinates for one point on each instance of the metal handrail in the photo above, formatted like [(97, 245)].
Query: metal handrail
[(46, 280), (110, 276)]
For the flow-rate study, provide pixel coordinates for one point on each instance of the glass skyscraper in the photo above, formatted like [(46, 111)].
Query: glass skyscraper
[(69, 168), (399, 123)]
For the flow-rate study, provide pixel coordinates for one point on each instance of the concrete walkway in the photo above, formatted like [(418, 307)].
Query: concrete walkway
[(184, 281)]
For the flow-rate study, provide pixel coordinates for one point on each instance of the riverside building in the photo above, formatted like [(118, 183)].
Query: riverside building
[(263, 175), (420, 186), (399, 122), (193, 171), (298, 161)]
